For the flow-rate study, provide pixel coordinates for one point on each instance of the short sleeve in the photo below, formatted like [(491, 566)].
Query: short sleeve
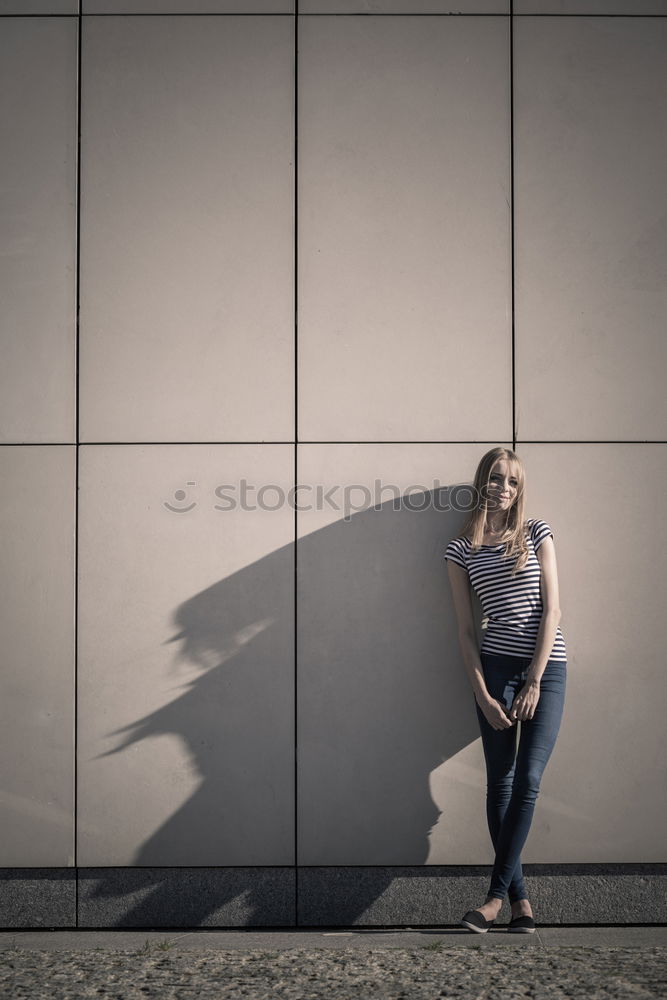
[(539, 531), (456, 552)]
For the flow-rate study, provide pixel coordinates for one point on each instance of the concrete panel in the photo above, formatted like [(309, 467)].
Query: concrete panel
[(390, 763), (391, 769), (187, 897), (602, 7), (37, 897), (403, 221), (187, 241), (188, 6), (37, 627), (39, 7), (38, 134), (403, 7), (591, 228), (560, 894), (603, 797), (186, 656)]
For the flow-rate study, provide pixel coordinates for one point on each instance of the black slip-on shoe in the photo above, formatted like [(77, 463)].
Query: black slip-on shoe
[(521, 925), (476, 921)]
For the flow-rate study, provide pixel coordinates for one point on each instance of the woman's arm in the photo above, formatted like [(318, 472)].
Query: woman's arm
[(551, 613), (458, 579)]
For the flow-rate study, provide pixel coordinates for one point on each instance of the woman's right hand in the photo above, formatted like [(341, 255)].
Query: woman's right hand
[(494, 713)]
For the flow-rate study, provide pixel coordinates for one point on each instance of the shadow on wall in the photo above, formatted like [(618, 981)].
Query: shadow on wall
[(382, 698)]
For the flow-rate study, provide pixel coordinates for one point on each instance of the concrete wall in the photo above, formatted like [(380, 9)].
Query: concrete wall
[(350, 253)]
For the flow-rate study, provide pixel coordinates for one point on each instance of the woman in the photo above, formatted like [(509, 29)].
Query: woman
[(519, 672)]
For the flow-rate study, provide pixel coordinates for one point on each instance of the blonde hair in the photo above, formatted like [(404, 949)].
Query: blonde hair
[(515, 533)]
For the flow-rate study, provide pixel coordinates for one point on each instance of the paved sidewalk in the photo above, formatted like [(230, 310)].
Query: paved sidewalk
[(555, 963), (359, 938)]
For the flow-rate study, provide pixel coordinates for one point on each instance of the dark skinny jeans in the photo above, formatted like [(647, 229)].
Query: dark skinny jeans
[(513, 777)]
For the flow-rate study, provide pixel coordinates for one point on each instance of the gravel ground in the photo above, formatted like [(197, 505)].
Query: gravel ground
[(476, 972)]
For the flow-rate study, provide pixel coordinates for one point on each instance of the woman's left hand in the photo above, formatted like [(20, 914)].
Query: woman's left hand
[(525, 703)]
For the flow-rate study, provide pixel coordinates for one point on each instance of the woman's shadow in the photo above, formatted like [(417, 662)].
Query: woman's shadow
[(352, 703)]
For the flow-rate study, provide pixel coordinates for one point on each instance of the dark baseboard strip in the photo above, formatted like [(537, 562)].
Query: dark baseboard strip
[(327, 896)]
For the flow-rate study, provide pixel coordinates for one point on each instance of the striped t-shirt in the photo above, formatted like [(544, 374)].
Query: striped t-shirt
[(512, 606)]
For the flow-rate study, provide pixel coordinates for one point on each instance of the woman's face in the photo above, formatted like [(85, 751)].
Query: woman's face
[(503, 486)]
